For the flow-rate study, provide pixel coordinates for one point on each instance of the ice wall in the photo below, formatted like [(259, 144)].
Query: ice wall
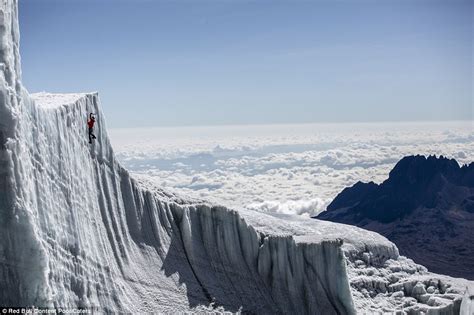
[(10, 76), (83, 233), (9, 41), (467, 305), (10, 91)]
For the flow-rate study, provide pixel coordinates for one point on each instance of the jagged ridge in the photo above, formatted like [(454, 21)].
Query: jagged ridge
[(415, 181), (426, 207)]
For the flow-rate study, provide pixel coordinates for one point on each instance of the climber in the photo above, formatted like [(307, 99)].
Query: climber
[(90, 123)]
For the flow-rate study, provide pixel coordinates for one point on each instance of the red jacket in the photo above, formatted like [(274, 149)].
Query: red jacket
[(91, 123)]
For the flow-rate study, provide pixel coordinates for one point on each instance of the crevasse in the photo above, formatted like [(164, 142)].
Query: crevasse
[(76, 230)]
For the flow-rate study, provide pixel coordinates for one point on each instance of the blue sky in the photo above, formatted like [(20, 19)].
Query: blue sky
[(161, 63)]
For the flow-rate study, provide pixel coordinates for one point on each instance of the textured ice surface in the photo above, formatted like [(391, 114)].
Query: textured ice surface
[(49, 100), (467, 305), (76, 230)]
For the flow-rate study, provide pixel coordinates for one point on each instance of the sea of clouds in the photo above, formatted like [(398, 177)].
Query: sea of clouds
[(282, 169)]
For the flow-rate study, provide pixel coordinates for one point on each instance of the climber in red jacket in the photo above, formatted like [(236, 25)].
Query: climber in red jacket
[(90, 123)]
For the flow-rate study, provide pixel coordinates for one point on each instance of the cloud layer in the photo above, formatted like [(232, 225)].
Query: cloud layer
[(284, 169)]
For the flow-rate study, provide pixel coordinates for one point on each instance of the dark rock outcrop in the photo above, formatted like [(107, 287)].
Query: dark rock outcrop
[(426, 207)]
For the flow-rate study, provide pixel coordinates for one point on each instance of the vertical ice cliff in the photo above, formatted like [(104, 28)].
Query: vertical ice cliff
[(76, 230), (82, 232), (467, 305), (10, 93), (10, 79)]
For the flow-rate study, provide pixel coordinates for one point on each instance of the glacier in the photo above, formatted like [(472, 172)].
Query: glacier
[(78, 231)]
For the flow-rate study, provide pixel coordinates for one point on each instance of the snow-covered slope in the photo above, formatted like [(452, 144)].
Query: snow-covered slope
[(77, 231)]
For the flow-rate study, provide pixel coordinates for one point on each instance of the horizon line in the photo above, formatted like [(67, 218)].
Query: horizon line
[(298, 123)]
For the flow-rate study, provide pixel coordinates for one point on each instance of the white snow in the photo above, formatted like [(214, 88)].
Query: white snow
[(50, 100), (467, 305), (78, 231)]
